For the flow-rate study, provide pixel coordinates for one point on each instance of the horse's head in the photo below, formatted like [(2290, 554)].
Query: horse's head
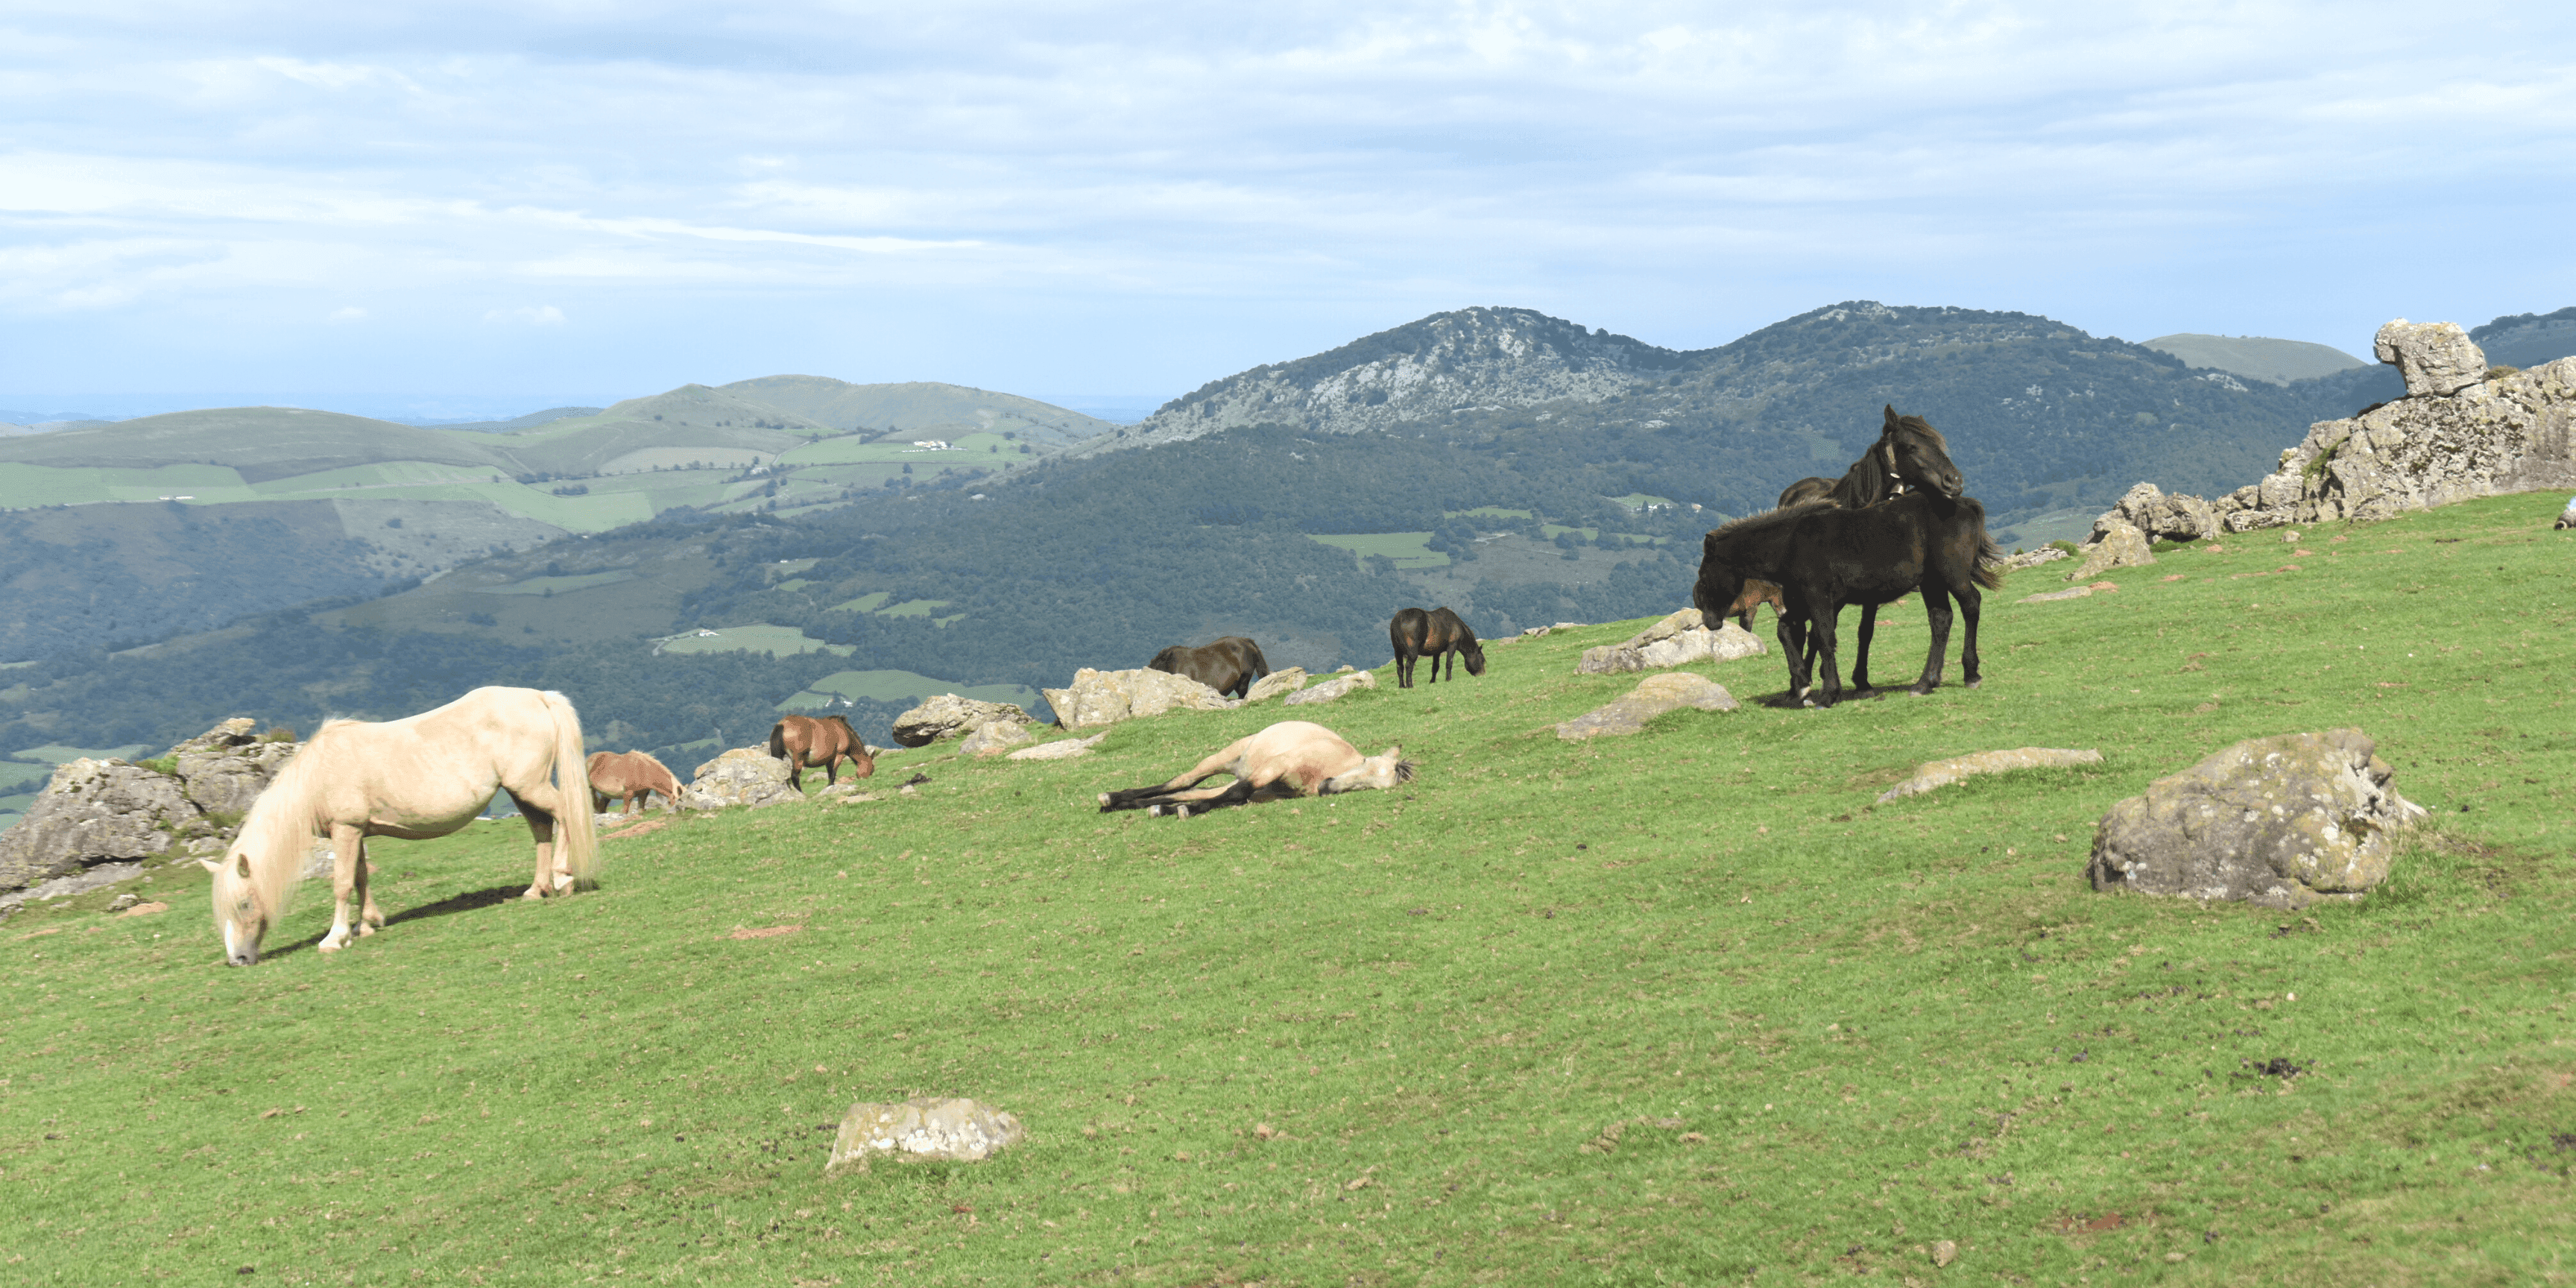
[(1474, 651), (242, 909), (1384, 770), (1719, 586), (1914, 451)]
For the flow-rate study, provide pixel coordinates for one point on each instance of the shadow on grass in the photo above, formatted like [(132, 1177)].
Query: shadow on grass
[(466, 902), (1787, 701)]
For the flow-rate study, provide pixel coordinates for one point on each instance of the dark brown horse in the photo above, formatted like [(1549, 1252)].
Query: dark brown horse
[(1228, 666), (809, 742), (1919, 541), (1908, 451), (1438, 635), (633, 775)]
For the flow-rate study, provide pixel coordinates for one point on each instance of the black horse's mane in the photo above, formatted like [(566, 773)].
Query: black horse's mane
[(1765, 520)]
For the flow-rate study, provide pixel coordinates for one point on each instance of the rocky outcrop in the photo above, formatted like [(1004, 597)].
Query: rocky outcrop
[(95, 812), (1680, 639), (921, 1130), (1330, 690), (1654, 696), (2463, 430), (2282, 822), (1277, 684), (994, 737), (950, 716), (1941, 773), (1106, 697), (743, 776)]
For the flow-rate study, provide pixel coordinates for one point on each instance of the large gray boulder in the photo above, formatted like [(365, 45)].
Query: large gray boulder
[(1654, 696), (2115, 543), (2281, 822), (1332, 690), (2436, 358), (743, 776), (950, 716), (1276, 684), (95, 812), (993, 737), (1679, 639), (1098, 698)]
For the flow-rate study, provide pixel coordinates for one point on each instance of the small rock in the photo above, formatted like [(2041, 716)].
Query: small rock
[(2033, 558), (145, 909), (844, 791), (1536, 631), (124, 901), (1942, 773), (1654, 696), (1064, 750), (1331, 689), (2078, 592), (1276, 684), (923, 1129), (1944, 1252), (994, 737), (2290, 537), (1669, 644), (2279, 822)]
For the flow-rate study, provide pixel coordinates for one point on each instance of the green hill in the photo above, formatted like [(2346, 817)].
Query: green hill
[(916, 407), (2256, 357), (258, 443), (1688, 1007)]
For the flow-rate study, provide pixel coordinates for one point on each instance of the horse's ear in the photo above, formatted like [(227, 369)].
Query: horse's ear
[(212, 866), (1891, 415), (241, 866)]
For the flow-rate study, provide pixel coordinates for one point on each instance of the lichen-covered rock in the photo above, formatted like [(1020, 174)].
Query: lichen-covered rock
[(1277, 684), (950, 716), (1941, 773), (1677, 640), (2115, 543), (743, 776), (994, 737), (2033, 558), (1329, 690), (2436, 358), (1106, 697), (921, 1130), (1654, 696), (2281, 822), (94, 812)]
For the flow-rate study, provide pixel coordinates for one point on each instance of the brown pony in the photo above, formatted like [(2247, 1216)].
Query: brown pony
[(1438, 634), (1755, 594), (806, 742), (1228, 666), (1290, 758), (418, 777), (634, 775)]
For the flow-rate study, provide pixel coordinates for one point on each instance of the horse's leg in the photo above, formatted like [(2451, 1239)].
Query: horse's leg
[(370, 917), (1936, 611), (1970, 600), (1821, 618), (1860, 660), (796, 768), (541, 825), (347, 862), (1791, 631), (832, 771), (1234, 793)]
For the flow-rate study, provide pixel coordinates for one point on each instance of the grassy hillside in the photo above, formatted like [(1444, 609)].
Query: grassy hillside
[(914, 407), (2258, 357), (1687, 1007)]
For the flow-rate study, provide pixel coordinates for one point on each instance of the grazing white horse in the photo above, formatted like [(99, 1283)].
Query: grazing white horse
[(418, 777), (1290, 758)]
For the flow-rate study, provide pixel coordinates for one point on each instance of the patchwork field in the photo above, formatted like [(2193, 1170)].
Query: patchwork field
[(1688, 1007), (758, 637), (1407, 549)]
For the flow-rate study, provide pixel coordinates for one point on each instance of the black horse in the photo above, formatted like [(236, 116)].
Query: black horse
[(1919, 541), (1228, 666), (1437, 634), (1908, 451)]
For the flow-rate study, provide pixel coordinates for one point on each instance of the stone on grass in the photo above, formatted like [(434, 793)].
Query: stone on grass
[(1942, 773), (2077, 592), (2281, 822), (743, 776), (1066, 749), (922, 1130), (1331, 689), (1098, 698), (1944, 1252), (2115, 543), (1277, 683), (1677, 640), (1654, 696), (950, 716), (994, 737)]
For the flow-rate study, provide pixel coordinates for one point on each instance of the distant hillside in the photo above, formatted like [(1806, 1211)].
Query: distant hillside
[(258, 443), (2528, 339), (917, 407), (2255, 357), (529, 421)]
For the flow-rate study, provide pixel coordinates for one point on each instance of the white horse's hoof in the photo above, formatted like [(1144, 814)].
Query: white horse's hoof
[(334, 942), (533, 894)]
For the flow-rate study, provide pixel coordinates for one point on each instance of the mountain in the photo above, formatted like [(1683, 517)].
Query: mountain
[(529, 421), (2256, 357), (2528, 339)]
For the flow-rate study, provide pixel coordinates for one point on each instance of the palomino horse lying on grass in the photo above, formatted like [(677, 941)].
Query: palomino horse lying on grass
[(422, 776), (807, 742), (633, 776), (1291, 758)]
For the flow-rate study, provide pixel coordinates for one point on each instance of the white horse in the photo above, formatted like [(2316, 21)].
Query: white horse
[(422, 776), (1290, 758)]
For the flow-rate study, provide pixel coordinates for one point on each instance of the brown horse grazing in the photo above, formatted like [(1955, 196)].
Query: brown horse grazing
[(1755, 594), (1438, 634), (1290, 758), (418, 777), (633, 775), (1908, 451), (1228, 666), (807, 742)]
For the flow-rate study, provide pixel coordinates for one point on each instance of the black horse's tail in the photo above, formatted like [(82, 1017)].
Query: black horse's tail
[(1990, 560), (778, 740)]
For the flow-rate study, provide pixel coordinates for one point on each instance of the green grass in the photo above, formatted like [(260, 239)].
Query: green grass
[(1407, 549), (559, 585), (1827, 1033), (759, 637)]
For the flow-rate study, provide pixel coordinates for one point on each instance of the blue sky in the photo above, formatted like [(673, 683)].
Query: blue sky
[(463, 208)]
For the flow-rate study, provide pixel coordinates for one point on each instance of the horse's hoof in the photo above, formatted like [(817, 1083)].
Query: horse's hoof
[(1153, 811), (1974, 683), (1180, 811), (532, 894)]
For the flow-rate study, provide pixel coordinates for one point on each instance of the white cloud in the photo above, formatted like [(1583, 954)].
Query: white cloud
[(527, 315)]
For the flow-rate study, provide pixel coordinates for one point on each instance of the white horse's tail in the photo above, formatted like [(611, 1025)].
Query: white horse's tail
[(576, 836)]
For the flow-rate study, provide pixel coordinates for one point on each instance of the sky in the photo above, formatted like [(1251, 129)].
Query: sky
[(463, 210)]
